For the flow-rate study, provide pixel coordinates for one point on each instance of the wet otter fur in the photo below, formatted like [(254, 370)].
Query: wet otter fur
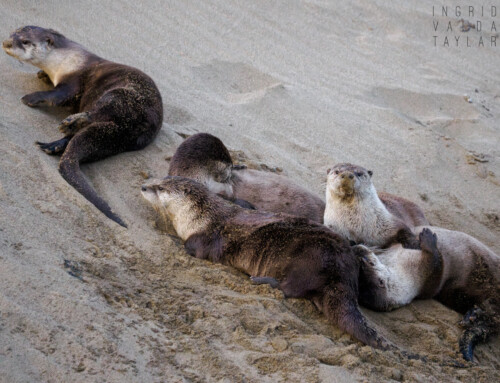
[(307, 259), (355, 210), (119, 108), (204, 158), (451, 267)]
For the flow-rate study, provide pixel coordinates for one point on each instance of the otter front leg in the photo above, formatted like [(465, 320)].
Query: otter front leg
[(61, 95), (406, 238), (373, 271), (44, 77), (374, 278), (72, 124), (431, 264), (205, 246)]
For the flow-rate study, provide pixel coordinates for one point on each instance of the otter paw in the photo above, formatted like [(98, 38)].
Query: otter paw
[(72, 124), (34, 99), (265, 281), (366, 261), (44, 77), (366, 256), (428, 240), (239, 167), (54, 148)]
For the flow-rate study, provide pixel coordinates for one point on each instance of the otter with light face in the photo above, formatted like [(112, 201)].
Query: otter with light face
[(306, 259), (204, 158), (451, 267), (356, 211), (119, 108)]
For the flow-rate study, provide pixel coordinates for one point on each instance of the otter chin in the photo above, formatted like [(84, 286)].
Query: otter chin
[(355, 210), (302, 258)]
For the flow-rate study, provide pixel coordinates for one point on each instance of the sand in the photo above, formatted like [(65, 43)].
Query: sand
[(296, 85)]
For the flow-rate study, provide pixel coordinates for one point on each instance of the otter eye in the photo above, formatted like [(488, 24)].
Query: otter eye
[(160, 188), (336, 172), (25, 42), (359, 174)]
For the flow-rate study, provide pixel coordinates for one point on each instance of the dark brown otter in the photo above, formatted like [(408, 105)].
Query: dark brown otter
[(356, 211), (204, 158), (307, 259), (119, 107), (452, 267)]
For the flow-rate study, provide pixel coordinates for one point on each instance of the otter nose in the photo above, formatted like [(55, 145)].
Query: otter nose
[(347, 174), (144, 188), (7, 44)]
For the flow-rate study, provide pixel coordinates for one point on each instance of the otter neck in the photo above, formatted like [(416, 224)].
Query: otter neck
[(61, 62), (186, 221), (189, 219)]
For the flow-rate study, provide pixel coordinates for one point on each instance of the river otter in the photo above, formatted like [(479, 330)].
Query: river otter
[(204, 158), (356, 211), (452, 267), (306, 258), (119, 107)]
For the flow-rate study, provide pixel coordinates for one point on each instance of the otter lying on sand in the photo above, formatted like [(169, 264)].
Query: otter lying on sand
[(205, 158), (119, 107), (356, 211), (307, 259), (454, 268)]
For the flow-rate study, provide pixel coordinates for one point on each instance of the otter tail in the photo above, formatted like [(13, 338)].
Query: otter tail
[(345, 314), (342, 309), (479, 325), (95, 142)]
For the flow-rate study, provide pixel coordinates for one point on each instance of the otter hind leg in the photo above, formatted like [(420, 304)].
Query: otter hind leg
[(55, 147), (72, 124), (302, 279), (95, 142), (265, 281), (239, 167), (290, 288), (244, 204)]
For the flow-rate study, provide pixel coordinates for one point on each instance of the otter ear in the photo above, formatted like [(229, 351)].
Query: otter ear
[(328, 171), (370, 173)]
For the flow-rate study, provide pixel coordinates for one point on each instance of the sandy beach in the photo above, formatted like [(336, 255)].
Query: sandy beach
[(291, 85)]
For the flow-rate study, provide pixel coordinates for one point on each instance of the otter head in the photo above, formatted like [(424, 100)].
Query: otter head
[(204, 158), (184, 201), (346, 181), (32, 44)]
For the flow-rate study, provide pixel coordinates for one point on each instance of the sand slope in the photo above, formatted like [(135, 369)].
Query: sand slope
[(298, 85)]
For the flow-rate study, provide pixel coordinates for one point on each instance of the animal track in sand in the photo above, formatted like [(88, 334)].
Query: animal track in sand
[(236, 83), (176, 116), (425, 107)]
